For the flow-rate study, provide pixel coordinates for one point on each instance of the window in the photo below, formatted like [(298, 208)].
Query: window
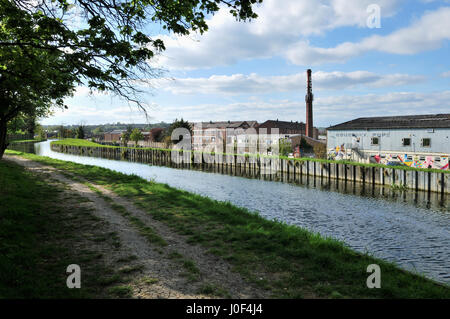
[(375, 141), (406, 142), (426, 142)]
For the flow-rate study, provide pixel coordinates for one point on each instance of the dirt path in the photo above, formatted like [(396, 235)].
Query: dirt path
[(176, 270)]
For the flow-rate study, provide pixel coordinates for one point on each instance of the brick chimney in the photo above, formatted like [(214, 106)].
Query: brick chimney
[(309, 106)]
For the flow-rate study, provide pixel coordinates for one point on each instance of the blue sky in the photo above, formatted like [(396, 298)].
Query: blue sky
[(256, 70)]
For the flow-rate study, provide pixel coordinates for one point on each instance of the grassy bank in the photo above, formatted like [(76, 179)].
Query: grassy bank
[(30, 265), (43, 229), (85, 143), (288, 261), (36, 140)]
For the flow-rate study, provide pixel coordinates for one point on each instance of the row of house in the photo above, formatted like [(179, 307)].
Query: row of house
[(227, 132), (115, 136), (421, 141)]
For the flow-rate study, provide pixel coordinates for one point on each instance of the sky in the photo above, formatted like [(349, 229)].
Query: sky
[(362, 66)]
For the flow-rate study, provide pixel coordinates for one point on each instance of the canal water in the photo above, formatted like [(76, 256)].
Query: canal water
[(408, 228)]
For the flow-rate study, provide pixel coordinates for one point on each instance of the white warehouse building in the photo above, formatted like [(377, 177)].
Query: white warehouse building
[(418, 140)]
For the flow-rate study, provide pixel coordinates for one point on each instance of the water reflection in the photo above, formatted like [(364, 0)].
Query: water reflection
[(409, 228), (23, 147)]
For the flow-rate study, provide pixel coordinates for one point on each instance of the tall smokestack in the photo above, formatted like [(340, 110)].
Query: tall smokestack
[(309, 106)]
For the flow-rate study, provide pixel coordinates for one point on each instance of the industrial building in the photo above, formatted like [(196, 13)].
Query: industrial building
[(220, 133), (223, 133), (416, 140)]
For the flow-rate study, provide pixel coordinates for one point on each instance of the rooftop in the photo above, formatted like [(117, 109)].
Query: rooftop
[(283, 125), (396, 122), (223, 124)]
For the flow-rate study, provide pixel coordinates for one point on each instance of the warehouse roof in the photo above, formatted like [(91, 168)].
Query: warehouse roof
[(283, 125), (396, 122)]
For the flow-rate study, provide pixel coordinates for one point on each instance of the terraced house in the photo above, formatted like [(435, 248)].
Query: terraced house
[(418, 140), (220, 133)]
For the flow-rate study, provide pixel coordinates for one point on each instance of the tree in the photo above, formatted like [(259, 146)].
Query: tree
[(177, 124), (157, 134), (304, 146), (70, 133), (80, 132), (285, 147), (127, 135), (44, 55), (23, 124), (136, 136), (320, 150), (61, 132), (42, 135), (30, 124), (98, 131)]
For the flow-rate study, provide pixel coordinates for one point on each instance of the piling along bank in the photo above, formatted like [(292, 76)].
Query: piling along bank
[(398, 177)]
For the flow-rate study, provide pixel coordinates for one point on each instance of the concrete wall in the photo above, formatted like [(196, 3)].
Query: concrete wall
[(390, 140), (412, 179)]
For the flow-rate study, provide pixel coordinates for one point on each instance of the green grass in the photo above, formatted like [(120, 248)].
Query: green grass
[(36, 240), (36, 140), (146, 231), (289, 261), (121, 291), (149, 280), (78, 142), (214, 290)]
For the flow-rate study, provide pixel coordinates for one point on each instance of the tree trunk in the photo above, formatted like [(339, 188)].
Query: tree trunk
[(3, 142)]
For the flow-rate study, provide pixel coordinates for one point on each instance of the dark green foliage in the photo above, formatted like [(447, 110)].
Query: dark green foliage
[(80, 132), (175, 125), (126, 136), (285, 147), (304, 146), (49, 47), (136, 136)]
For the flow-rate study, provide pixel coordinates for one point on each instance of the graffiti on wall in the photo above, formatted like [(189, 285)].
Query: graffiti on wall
[(338, 153), (440, 162), (436, 162)]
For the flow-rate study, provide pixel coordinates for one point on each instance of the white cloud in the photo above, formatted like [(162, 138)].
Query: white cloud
[(332, 110), (446, 74), (427, 33), (93, 114), (256, 84), (278, 26), (327, 110)]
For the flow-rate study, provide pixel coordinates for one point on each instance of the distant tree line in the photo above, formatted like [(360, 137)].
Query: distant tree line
[(100, 130)]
